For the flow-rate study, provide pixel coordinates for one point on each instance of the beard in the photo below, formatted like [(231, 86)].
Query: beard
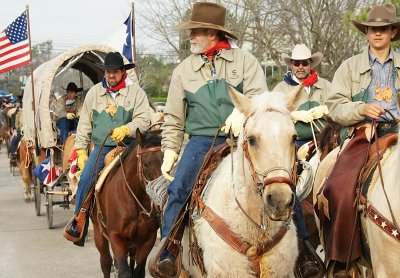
[(197, 47)]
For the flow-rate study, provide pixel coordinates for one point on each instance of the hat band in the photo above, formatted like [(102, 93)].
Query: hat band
[(380, 19)]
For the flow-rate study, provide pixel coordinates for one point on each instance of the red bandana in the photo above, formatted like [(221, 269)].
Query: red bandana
[(311, 79), (121, 84), (223, 44)]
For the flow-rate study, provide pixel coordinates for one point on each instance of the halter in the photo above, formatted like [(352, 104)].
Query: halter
[(265, 181)]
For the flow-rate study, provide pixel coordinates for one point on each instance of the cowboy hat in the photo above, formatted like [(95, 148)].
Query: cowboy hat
[(71, 87), (382, 15), (114, 60), (207, 15), (302, 52)]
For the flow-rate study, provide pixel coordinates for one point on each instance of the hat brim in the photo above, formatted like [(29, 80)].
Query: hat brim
[(195, 24), (361, 27), (316, 59), (112, 67), (77, 90)]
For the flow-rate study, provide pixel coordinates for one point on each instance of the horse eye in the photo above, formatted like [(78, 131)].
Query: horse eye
[(251, 140), (294, 138)]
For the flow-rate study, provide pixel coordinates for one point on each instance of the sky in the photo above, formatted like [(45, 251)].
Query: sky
[(70, 23)]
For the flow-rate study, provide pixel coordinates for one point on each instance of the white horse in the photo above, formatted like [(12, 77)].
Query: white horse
[(251, 192), (384, 246)]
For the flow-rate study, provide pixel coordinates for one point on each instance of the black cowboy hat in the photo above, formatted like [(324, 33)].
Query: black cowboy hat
[(73, 88), (114, 60)]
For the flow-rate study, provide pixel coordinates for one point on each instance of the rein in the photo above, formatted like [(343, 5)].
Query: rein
[(142, 177)]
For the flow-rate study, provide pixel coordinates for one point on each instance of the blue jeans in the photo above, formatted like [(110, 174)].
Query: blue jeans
[(298, 218), (185, 177), (89, 174), (14, 143), (66, 126)]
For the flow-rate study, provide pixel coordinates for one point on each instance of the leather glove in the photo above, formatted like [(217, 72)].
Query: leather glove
[(234, 122), (82, 158), (319, 111), (71, 116), (120, 133), (302, 115), (170, 157)]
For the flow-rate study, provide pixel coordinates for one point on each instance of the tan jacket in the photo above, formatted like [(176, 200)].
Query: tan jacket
[(61, 108), (198, 103), (318, 94), (133, 110), (346, 99)]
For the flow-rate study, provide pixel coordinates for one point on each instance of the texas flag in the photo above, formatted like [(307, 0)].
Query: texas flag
[(46, 172), (73, 164)]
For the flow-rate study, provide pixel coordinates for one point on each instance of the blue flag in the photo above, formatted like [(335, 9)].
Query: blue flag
[(127, 48), (46, 172)]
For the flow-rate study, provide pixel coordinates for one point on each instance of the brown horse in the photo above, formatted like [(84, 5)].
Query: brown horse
[(5, 130), (124, 215), (25, 160)]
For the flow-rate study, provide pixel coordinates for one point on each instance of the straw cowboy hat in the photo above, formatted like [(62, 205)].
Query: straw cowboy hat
[(302, 52), (114, 60), (207, 15), (383, 15)]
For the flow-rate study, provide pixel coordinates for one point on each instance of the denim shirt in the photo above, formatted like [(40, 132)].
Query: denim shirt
[(384, 76)]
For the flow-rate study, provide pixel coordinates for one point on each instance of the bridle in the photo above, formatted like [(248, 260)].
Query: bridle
[(261, 183), (142, 178)]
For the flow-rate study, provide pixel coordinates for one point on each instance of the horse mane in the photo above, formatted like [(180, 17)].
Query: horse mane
[(150, 139), (329, 137)]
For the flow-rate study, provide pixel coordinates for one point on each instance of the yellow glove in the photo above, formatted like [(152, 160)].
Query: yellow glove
[(234, 122), (120, 133), (319, 111), (71, 116), (82, 157), (302, 115), (170, 157)]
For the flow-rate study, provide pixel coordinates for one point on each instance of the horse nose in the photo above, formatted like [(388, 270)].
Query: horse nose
[(279, 204)]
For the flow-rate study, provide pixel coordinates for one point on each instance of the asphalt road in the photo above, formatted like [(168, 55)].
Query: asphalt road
[(27, 247)]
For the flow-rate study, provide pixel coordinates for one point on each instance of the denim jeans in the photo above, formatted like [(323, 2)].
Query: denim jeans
[(66, 126), (185, 177), (298, 218), (89, 174), (14, 143)]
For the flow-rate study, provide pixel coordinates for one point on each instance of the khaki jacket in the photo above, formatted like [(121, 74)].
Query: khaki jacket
[(198, 103), (61, 108), (348, 93), (132, 110)]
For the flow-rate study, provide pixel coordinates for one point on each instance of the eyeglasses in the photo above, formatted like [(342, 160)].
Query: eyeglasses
[(297, 63)]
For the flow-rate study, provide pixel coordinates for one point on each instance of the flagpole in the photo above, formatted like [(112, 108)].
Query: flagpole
[(33, 83), (133, 31)]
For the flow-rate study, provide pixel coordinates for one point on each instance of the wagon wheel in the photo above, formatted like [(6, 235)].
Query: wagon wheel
[(49, 210), (36, 192)]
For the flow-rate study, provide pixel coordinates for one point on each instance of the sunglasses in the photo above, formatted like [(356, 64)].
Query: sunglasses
[(297, 63)]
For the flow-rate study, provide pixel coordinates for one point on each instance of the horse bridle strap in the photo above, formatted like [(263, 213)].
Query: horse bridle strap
[(139, 153), (236, 242)]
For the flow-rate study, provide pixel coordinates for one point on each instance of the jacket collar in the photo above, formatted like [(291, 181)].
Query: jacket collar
[(365, 65), (198, 61), (122, 92)]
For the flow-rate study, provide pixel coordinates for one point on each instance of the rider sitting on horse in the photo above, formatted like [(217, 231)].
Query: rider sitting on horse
[(308, 118), (16, 125), (198, 104), (116, 103), (364, 87)]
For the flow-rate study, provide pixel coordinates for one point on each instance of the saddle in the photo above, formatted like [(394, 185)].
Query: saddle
[(173, 242)]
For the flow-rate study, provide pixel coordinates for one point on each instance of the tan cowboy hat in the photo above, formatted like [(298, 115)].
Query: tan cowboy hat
[(207, 15), (382, 15), (302, 52)]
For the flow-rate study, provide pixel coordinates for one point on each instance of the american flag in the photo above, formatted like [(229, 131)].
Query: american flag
[(14, 45)]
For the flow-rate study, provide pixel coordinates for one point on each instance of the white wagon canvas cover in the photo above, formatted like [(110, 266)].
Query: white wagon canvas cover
[(85, 59)]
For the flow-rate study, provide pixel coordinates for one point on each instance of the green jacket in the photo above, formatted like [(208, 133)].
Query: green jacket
[(198, 103), (95, 123), (304, 101)]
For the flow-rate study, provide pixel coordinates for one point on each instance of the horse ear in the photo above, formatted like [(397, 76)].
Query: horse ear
[(241, 102), (139, 137), (292, 96)]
